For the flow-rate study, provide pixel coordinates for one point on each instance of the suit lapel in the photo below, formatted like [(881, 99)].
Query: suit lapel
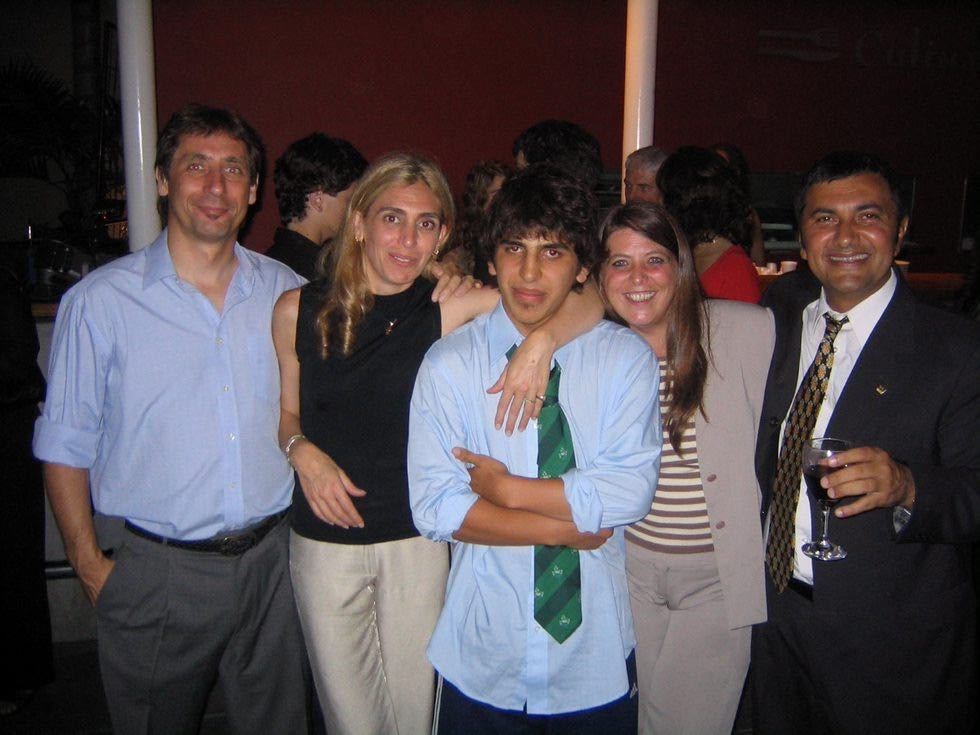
[(879, 374)]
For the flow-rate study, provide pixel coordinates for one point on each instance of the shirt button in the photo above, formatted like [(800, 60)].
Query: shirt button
[(219, 341), (712, 477), (226, 388), (233, 486), (232, 437), (720, 525)]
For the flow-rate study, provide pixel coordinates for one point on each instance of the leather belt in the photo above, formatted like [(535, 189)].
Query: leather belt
[(234, 544), (801, 588)]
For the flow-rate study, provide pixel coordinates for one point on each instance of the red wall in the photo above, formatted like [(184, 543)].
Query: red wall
[(903, 83), (459, 79)]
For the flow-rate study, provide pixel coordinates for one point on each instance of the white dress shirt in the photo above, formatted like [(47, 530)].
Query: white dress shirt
[(861, 321)]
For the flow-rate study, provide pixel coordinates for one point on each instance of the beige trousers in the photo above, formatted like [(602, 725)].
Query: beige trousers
[(690, 666), (367, 613)]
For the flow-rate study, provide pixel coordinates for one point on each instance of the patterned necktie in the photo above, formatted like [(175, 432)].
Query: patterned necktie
[(557, 578), (789, 467)]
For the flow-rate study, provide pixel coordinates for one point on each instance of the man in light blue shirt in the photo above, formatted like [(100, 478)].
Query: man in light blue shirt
[(163, 410), (501, 667)]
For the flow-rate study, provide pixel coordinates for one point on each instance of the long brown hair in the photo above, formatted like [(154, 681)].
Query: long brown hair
[(687, 316), (350, 297)]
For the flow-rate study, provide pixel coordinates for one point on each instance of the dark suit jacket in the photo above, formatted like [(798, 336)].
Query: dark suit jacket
[(905, 600)]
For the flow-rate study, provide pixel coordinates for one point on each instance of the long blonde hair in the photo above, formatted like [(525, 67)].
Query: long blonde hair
[(349, 298)]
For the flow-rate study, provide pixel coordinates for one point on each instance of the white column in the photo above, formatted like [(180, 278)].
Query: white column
[(139, 118), (641, 74)]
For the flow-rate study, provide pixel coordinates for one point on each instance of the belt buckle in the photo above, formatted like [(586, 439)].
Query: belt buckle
[(236, 545)]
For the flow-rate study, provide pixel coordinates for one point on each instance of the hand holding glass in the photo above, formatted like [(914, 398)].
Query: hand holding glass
[(815, 455)]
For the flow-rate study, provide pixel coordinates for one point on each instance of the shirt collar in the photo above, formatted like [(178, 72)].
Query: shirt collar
[(501, 334), (863, 318), (159, 265)]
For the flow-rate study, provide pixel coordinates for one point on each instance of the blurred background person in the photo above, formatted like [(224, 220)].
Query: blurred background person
[(640, 178), (482, 184), (25, 625), (701, 191), (314, 178), (695, 563), (740, 166)]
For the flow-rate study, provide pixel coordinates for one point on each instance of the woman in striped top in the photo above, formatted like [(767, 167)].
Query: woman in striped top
[(695, 563)]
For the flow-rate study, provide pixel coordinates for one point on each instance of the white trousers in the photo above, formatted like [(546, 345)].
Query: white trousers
[(367, 613), (690, 665)]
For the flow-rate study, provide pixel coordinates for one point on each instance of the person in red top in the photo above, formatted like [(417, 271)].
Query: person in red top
[(703, 194)]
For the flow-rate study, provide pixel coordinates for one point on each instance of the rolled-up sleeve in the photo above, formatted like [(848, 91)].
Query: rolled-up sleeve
[(70, 428), (439, 488), (616, 486)]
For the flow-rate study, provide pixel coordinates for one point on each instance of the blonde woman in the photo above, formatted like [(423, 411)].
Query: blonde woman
[(368, 587)]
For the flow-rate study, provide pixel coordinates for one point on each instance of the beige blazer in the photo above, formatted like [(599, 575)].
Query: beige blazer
[(742, 339)]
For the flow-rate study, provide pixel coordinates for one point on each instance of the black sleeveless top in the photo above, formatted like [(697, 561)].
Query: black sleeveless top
[(355, 408)]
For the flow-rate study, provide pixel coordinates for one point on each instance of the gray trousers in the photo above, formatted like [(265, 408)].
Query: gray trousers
[(172, 622), (690, 665)]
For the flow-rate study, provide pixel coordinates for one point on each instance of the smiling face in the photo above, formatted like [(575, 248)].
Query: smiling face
[(400, 230), (208, 188), (535, 276), (850, 232), (639, 278)]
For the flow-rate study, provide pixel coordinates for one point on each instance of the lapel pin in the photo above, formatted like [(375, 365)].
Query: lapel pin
[(881, 389)]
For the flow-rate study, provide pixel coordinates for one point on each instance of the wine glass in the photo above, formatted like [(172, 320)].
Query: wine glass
[(815, 455)]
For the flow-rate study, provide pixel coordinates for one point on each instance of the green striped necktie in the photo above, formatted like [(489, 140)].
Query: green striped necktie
[(557, 577)]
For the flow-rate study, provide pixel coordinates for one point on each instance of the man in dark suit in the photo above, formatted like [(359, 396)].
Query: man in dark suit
[(883, 640)]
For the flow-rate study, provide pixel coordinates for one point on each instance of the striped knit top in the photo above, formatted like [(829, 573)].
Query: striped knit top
[(678, 519)]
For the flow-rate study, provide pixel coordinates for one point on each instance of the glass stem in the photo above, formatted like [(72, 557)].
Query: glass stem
[(825, 517)]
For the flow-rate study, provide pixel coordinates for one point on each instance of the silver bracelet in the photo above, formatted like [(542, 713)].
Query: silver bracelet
[(287, 450)]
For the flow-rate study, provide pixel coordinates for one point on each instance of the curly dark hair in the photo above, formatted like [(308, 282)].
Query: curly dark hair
[(703, 193), (314, 163), (543, 201), (197, 119), (566, 146), (738, 162)]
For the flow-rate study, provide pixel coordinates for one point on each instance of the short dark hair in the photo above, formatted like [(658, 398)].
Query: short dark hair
[(197, 119), (844, 164), (543, 201), (566, 146), (314, 163), (702, 192)]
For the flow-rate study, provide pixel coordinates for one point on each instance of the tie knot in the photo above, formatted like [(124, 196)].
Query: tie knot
[(833, 326)]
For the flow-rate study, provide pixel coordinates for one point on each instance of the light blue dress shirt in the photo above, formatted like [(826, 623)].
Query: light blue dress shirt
[(173, 407), (486, 641)]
